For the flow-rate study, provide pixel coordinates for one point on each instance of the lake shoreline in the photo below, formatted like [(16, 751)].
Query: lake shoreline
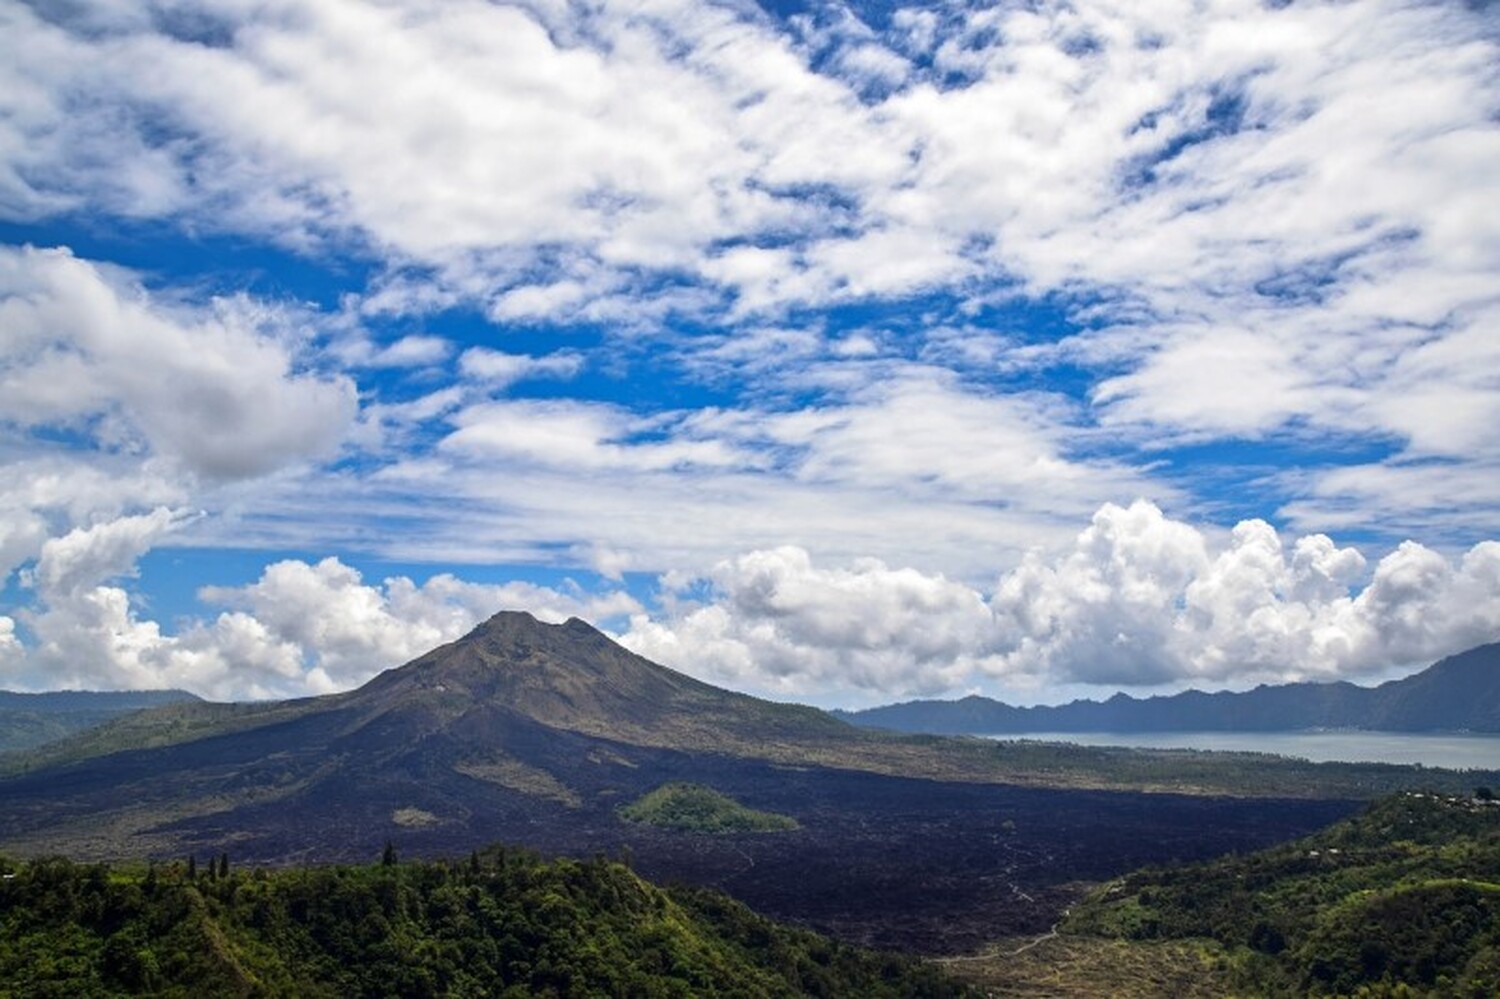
[(1448, 750)]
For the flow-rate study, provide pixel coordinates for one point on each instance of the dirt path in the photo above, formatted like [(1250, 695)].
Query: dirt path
[(992, 954), (1027, 946)]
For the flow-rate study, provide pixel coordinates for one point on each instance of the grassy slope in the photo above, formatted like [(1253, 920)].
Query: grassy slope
[(153, 728), (1178, 771), (1079, 967)]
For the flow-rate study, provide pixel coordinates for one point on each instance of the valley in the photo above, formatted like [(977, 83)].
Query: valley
[(913, 864)]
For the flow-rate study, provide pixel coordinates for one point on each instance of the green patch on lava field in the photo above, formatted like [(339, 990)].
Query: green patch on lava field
[(695, 808)]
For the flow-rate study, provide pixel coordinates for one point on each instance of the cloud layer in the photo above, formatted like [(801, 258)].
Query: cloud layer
[(1140, 600), (1226, 194), (299, 629), (846, 320), (1210, 176)]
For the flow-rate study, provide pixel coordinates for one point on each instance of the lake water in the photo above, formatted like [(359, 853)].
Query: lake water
[(1460, 752)]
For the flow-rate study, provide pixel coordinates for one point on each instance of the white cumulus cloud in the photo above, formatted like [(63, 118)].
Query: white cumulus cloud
[(216, 388), (782, 624), (301, 628), (498, 369), (1139, 600), (11, 650)]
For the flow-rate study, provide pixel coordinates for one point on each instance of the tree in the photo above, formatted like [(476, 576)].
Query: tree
[(388, 856)]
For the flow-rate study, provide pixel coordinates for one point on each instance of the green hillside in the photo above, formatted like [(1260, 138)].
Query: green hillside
[(502, 923), (31, 720), (695, 808), (1405, 896)]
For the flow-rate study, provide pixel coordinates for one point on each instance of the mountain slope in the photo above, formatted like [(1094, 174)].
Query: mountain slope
[(29, 720), (573, 678), (516, 722), (1458, 694)]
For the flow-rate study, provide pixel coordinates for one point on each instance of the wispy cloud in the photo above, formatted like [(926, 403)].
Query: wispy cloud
[(663, 285)]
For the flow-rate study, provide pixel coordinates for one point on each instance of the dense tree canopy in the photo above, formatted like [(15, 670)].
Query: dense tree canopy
[(1401, 899), (503, 923)]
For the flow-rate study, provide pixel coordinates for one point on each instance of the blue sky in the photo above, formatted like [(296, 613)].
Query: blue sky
[(839, 353)]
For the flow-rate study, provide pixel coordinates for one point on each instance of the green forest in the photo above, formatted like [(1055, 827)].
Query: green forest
[(1403, 899), (503, 922)]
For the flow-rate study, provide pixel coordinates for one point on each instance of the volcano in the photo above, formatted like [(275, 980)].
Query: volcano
[(536, 734), (511, 722)]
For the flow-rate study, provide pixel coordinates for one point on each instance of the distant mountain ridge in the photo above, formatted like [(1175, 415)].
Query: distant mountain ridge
[(29, 720), (1458, 694)]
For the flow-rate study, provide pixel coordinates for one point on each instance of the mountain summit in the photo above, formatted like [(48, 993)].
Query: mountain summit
[(573, 677)]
